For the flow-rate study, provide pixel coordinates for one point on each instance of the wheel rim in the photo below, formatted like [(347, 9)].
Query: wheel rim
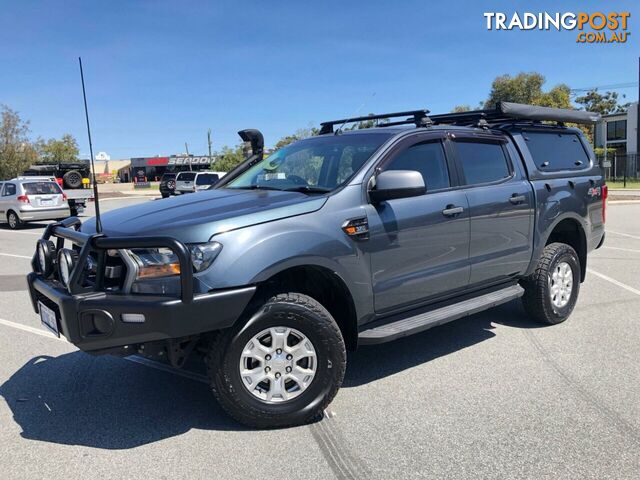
[(561, 284), (12, 220), (278, 364)]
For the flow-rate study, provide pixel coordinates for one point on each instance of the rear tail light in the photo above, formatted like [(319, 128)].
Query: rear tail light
[(23, 199), (59, 181), (605, 194)]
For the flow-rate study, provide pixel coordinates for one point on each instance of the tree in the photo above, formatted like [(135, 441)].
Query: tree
[(16, 152), (605, 103), (298, 135), (461, 108), (527, 88), (228, 158), (63, 150)]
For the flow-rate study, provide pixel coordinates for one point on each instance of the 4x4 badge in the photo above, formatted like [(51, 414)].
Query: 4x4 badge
[(594, 192)]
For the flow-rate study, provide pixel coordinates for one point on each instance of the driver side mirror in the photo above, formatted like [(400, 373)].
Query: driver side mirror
[(397, 184)]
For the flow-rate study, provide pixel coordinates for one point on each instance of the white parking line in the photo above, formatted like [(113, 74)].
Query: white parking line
[(622, 249), (27, 328), (16, 256), (623, 234), (22, 232), (135, 359), (614, 281)]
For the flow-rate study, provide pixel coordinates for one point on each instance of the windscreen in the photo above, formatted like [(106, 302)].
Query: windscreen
[(320, 163), (186, 176), (41, 188)]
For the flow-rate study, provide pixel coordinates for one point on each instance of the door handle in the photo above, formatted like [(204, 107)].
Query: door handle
[(452, 211), (517, 199)]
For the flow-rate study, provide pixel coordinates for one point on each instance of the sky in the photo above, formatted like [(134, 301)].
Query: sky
[(161, 73)]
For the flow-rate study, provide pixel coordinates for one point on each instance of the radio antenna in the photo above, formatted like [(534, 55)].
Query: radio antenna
[(93, 167), (339, 130)]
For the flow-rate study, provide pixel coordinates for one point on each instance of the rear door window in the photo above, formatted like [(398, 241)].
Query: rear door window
[(41, 188), (556, 150), (482, 162), (9, 189), (428, 159)]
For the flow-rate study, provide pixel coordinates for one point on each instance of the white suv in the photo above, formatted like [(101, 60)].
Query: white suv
[(26, 200), (189, 182)]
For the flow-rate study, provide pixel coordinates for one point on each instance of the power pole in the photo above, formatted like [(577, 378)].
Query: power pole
[(209, 142), (186, 147)]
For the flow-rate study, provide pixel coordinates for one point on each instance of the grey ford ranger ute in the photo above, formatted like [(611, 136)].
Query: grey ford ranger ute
[(349, 237)]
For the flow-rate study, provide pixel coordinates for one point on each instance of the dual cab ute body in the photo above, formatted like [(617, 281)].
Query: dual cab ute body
[(349, 237)]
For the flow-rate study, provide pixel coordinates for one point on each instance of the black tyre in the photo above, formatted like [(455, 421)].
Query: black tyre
[(280, 368), (13, 220), (73, 211), (552, 291), (72, 179)]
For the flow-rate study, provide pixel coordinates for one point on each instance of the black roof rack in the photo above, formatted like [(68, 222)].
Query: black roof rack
[(512, 112), (505, 112), (418, 117)]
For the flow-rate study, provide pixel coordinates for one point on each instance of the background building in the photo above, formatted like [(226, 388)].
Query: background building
[(619, 131)]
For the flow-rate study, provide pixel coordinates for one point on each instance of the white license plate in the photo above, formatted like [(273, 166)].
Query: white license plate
[(46, 203), (48, 318)]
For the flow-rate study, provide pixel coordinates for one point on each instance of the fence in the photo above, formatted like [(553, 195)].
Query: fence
[(623, 167)]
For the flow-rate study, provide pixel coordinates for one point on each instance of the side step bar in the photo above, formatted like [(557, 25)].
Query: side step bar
[(423, 321)]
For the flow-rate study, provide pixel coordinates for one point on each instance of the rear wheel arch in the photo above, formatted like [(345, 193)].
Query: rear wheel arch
[(571, 232)]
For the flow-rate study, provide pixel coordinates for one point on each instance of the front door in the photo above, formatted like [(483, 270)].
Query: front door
[(419, 246)]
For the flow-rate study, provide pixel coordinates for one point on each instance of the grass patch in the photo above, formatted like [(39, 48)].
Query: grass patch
[(630, 184)]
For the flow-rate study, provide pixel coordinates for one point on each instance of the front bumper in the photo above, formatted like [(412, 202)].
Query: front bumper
[(92, 318)]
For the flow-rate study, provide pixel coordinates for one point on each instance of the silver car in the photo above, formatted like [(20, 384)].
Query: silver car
[(28, 199), (189, 182)]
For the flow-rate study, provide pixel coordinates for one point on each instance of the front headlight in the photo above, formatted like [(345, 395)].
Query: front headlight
[(162, 262)]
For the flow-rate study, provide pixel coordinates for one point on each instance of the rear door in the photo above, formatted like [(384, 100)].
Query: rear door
[(419, 246), (8, 199), (501, 207)]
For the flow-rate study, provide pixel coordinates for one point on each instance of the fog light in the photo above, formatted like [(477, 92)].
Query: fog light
[(67, 260), (45, 250), (133, 317)]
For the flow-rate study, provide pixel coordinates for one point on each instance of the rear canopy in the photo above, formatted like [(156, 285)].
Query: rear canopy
[(533, 112)]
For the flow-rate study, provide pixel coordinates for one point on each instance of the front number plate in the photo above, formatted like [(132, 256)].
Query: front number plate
[(48, 318)]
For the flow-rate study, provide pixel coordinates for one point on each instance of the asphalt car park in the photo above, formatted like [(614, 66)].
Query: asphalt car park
[(490, 396)]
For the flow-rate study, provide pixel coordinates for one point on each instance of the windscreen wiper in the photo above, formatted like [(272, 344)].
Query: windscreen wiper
[(253, 187), (307, 189)]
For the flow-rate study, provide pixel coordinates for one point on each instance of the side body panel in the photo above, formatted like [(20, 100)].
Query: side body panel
[(255, 253)]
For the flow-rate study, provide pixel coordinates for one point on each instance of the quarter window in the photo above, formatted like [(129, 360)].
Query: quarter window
[(556, 150), (482, 162), (428, 159)]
